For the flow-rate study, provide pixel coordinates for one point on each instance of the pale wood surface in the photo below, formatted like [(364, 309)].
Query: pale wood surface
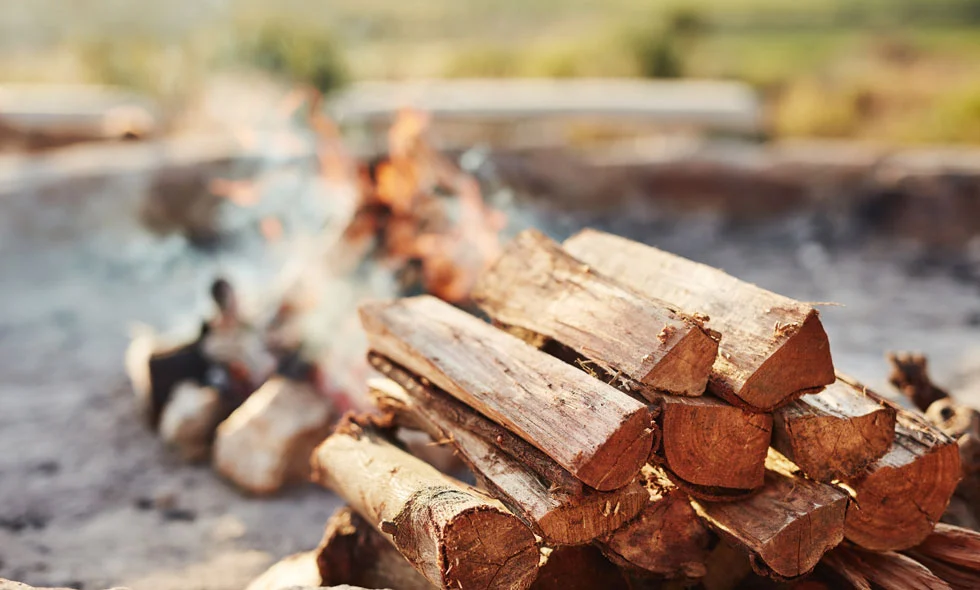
[(546, 497), (900, 498), (596, 432), (787, 526), (451, 533), (772, 350), (644, 344), (834, 434)]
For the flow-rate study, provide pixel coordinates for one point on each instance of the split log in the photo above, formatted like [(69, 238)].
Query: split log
[(536, 489), (353, 552), (451, 533), (667, 538), (900, 498), (787, 526), (297, 570), (646, 344), (773, 349), (865, 570), (266, 443), (952, 544), (582, 567), (715, 449), (591, 429), (834, 434)]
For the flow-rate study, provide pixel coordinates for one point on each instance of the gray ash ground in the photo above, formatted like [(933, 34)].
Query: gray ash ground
[(90, 499)]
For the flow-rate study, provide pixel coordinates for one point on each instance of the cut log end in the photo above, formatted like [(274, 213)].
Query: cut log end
[(617, 462), (802, 364), (900, 501), (473, 559), (685, 369)]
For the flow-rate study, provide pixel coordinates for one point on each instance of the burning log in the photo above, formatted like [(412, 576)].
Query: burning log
[(536, 489), (667, 538), (528, 392), (353, 552), (834, 434), (579, 568), (787, 526), (773, 349), (865, 570), (646, 344), (265, 444), (717, 450), (900, 498), (452, 534)]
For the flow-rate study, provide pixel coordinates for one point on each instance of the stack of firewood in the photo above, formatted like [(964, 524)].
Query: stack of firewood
[(632, 417)]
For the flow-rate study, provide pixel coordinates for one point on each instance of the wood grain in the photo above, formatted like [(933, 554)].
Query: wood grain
[(834, 434), (646, 344), (536, 489), (597, 433), (773, 349), (452, 534)]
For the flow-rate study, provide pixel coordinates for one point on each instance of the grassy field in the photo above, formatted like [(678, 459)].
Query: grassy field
[(889, 70)]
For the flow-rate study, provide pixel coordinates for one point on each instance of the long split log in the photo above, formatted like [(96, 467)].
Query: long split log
[(900, 498), (353, 552), (536, 489), (452, 534), (787, 526), (647, 344), (667, 538), (834, 434), (597, 433), (953, 554), (773, 349), (716, 449)]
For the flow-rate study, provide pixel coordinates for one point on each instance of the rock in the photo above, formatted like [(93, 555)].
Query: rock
[(266, 443), (295, 571), (190, 419)]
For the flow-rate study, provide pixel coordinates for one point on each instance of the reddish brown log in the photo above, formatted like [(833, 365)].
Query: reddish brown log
[(865, 570), (536, 489), (667, 538), (773, 349), (452, 534), (910, 375), (834, 434), (952, 544), (647, 345), (579, 568), (536, 396), (787, 526), (901, 497)]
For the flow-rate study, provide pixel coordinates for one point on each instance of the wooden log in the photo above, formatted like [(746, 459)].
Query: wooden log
[(452, 534), (716, 449), (646, 344), (547, 498), (773, 349), (834, 434), (910, 375), (353, 552), (952, 544), (597, 433), (888, 570), (293, 571), (581, 567), (787, 526), (667, 538), (900, 498)]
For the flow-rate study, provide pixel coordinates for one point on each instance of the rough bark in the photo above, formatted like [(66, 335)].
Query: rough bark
[(834, 434), (452, 534), (900, 498), (538, 397), (708, 443), (555, 505), (773, 349), (353, 552), (865, 570), (667, 538), (579, 568), (787, 526), (646, 344)]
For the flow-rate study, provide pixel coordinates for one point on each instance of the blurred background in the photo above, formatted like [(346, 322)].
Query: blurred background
[(320, 154)]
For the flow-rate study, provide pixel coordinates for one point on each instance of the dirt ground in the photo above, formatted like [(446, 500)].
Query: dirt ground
[(90, 499)]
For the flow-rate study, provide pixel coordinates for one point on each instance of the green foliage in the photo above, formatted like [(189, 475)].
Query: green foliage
[(298, 53)]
